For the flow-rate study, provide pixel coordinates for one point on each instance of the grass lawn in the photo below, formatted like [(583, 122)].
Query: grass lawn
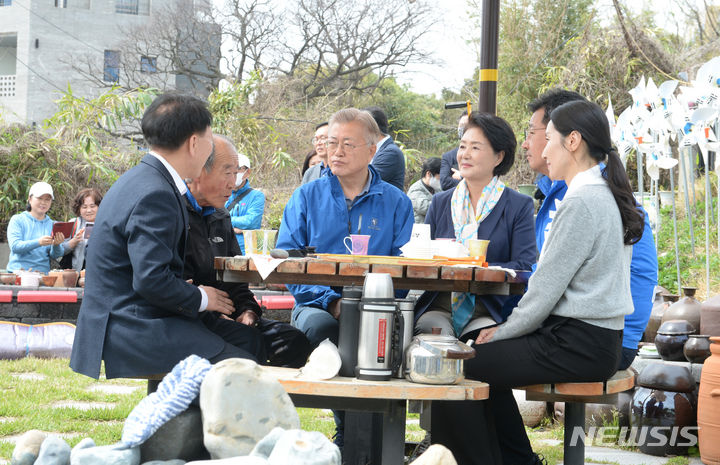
[(38, 394)]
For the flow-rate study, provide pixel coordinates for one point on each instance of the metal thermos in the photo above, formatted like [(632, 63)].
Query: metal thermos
[(377, 321), (406, 307), (349, 327)]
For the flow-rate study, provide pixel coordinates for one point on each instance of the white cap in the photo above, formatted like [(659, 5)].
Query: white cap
[(41, 188), (243, 160)]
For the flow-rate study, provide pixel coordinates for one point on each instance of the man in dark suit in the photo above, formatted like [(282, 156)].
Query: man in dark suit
[(449, 174), (210, 235), (138, 313), (389, 160)]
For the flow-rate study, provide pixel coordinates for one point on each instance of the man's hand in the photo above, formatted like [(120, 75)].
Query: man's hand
[(248, 317), (218, 301), (334, 308), (455, 174), (237, 230), (486, 335)]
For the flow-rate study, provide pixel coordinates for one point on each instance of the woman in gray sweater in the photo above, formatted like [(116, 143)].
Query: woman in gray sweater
[(568, 325)]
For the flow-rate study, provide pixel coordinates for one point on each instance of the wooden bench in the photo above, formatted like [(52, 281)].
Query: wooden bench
[(575, 396)]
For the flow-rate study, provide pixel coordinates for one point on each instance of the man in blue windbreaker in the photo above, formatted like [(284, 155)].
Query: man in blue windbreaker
[(246, 205), (643, 267), (351, 199)]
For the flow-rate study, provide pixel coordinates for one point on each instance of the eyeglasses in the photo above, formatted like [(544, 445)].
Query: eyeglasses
[(347, 146), (322, 139), (531, 131)]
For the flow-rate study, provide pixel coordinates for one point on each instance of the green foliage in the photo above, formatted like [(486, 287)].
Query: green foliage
[(692, 262)]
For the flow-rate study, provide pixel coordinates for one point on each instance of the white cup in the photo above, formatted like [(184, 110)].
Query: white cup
[(420, 232)]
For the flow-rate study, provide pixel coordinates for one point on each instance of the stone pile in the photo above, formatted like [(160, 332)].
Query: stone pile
[(244, 418)]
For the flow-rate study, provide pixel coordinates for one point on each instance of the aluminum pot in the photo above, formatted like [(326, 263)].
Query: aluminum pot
[(436, 359)]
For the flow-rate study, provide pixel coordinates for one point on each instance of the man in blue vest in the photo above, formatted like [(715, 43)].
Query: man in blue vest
[(643, 267)]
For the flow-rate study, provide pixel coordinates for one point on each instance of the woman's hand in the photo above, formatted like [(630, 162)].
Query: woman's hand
[(486, 335), (45, 240), (58, 239), (72, 243)]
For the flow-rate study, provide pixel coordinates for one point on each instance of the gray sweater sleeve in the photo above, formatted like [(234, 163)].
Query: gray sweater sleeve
[(569, 244)]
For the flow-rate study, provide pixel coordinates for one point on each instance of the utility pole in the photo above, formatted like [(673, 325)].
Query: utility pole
[(489, 56)]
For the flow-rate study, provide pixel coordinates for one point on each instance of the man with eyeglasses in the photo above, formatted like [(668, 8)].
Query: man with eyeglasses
[(350, 199), (246, 205), (319, 140), (643, 267)]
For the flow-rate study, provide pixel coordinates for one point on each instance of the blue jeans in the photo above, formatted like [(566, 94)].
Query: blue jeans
[(316, 323)]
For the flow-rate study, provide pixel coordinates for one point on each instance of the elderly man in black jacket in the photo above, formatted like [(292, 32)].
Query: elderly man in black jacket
[(211, 235)]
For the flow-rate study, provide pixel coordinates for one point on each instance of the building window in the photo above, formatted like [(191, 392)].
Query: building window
[(148, 64), (5, 2), (111, 68), (126, 7), (60, 3)]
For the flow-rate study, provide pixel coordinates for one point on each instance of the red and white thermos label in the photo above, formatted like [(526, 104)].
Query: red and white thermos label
[(382, 331)]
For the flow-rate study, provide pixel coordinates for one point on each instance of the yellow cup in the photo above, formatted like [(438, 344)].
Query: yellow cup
[(259, 241), (478, 247)]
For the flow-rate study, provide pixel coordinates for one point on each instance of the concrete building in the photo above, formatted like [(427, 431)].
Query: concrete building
[(43, 42)]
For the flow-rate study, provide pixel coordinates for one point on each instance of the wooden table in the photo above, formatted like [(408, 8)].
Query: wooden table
[(385, 400), (329, 273), (388, 399)]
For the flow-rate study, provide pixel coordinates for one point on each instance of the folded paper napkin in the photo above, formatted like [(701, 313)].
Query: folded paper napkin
[(265, 264), (174, 394)]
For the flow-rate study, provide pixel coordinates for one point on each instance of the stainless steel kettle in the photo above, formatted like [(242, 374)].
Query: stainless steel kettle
[(436, 359)]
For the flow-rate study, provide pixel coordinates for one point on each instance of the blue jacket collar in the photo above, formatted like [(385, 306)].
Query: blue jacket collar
[(242, 189), (548, 186), (203, 211)]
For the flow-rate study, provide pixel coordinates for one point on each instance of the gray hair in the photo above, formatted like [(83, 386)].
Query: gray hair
[(348, 115), (211, 159)]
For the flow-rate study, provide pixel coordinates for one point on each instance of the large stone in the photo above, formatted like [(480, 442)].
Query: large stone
[(243, 460), (107, 455), (54, 451), (240, 406), (297, 447), (179, 438), (165, 462), (85, 443), (532, 412), (27, 448), (437, 454)]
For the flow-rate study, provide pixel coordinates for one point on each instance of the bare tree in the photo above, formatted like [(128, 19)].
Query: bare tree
[(251, 28), (336, 45)]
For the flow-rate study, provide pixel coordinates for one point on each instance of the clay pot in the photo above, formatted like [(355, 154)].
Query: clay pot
[(48, 280), (667, 377), (710, 316), (671, 338), (8, 278), (687, 308), (654, 413), (708, 418), (656, 315), (697, 348)]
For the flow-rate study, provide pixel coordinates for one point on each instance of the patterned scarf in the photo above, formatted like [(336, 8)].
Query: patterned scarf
[(466, 225)]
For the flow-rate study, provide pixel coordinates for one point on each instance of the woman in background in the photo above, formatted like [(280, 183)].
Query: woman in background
[(85, 206), (29, 233)]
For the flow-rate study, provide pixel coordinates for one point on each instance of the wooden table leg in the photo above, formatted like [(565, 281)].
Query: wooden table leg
[(393, 434)]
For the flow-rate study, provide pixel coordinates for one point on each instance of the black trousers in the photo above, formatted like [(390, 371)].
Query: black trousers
[(241, 341), (492, 432)]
